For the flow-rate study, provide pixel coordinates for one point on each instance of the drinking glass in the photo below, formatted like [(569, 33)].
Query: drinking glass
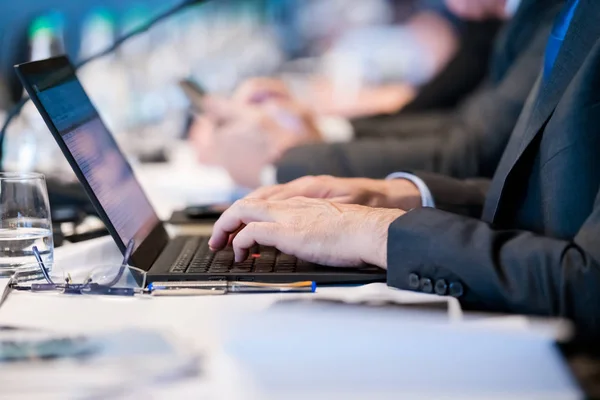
[(24, 221)]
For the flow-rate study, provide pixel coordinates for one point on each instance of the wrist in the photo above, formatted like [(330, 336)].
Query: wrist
[(376, 236), (402, 194)]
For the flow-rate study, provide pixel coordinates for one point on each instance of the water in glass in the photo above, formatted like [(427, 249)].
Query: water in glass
[(24, 221)]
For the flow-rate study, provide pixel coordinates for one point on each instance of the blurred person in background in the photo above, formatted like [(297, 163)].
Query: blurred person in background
[(276, 139), (365, 72), (360, 69)]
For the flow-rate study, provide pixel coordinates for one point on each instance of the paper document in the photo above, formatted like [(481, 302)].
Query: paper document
[(381, 295), (34, 363)]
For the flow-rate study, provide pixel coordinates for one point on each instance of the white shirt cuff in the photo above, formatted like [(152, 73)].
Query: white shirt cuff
[(426, 196), (268, 176)]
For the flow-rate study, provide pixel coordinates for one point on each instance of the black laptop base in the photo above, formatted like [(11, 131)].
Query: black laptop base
[(321, 277), (190, 259)]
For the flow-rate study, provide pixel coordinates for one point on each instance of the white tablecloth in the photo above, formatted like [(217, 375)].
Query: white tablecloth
[(258, 347)]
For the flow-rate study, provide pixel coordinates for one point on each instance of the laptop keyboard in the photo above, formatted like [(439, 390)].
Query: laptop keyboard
[(196, 258)]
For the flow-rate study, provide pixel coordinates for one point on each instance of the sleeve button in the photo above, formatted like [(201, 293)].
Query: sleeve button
[(456, 289), (426, 285), (414, 281), (441, 287)]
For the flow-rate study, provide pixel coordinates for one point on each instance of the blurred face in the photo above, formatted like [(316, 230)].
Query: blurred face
[(478, 9)]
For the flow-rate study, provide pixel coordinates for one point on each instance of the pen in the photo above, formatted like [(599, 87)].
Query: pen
[(221, 287), (257, 287), (188, 292)]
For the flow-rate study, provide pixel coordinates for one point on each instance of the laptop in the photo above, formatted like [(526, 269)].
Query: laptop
[(119, 200)]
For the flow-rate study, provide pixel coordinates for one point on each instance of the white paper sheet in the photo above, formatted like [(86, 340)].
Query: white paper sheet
[(368, 353), (118, 364)]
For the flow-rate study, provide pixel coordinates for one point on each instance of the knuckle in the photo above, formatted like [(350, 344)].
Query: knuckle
[(248, 231), (236, 206), (258, 193), (255, 203), (241, 206), (248, 202), (246, 234)]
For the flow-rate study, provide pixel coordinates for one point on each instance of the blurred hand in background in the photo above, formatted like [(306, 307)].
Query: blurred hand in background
[(322, 97), (245, 137), (368, 71)]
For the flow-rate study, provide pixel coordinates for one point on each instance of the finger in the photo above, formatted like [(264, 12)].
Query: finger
[(263, 233), (241, 212), (308, 186), (292, 116), (258, 90), (276, 192), (287, 105), (265, 192), (222, 110), (289, 193), (342, 199), (233, 235)]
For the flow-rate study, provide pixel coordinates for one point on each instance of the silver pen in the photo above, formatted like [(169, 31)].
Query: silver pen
[(183, 288)]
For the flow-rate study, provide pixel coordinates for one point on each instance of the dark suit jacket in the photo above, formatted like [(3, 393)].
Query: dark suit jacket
[(536, 247), (466, 143)]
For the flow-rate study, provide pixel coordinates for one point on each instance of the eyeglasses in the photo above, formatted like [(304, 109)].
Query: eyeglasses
[(115, 280)]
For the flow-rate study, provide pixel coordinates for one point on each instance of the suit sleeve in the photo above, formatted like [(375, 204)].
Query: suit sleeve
[(499, 270), (465, 197), (403, 125), (372, 158)]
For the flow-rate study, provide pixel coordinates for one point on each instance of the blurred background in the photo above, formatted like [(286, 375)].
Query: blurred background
[(218, 44)]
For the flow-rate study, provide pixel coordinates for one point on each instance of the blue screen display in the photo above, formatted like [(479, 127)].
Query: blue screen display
[(96, 153)]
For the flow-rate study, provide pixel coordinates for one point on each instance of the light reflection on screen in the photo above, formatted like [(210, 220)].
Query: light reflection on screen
[(94, 149)]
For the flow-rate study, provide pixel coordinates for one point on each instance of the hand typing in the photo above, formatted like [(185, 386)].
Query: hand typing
[(315, 230), (397, 193)]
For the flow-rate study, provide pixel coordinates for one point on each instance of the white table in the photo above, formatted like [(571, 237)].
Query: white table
[(255, 349)]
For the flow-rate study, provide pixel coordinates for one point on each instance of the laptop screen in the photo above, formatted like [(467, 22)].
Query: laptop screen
[(96, 153)]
